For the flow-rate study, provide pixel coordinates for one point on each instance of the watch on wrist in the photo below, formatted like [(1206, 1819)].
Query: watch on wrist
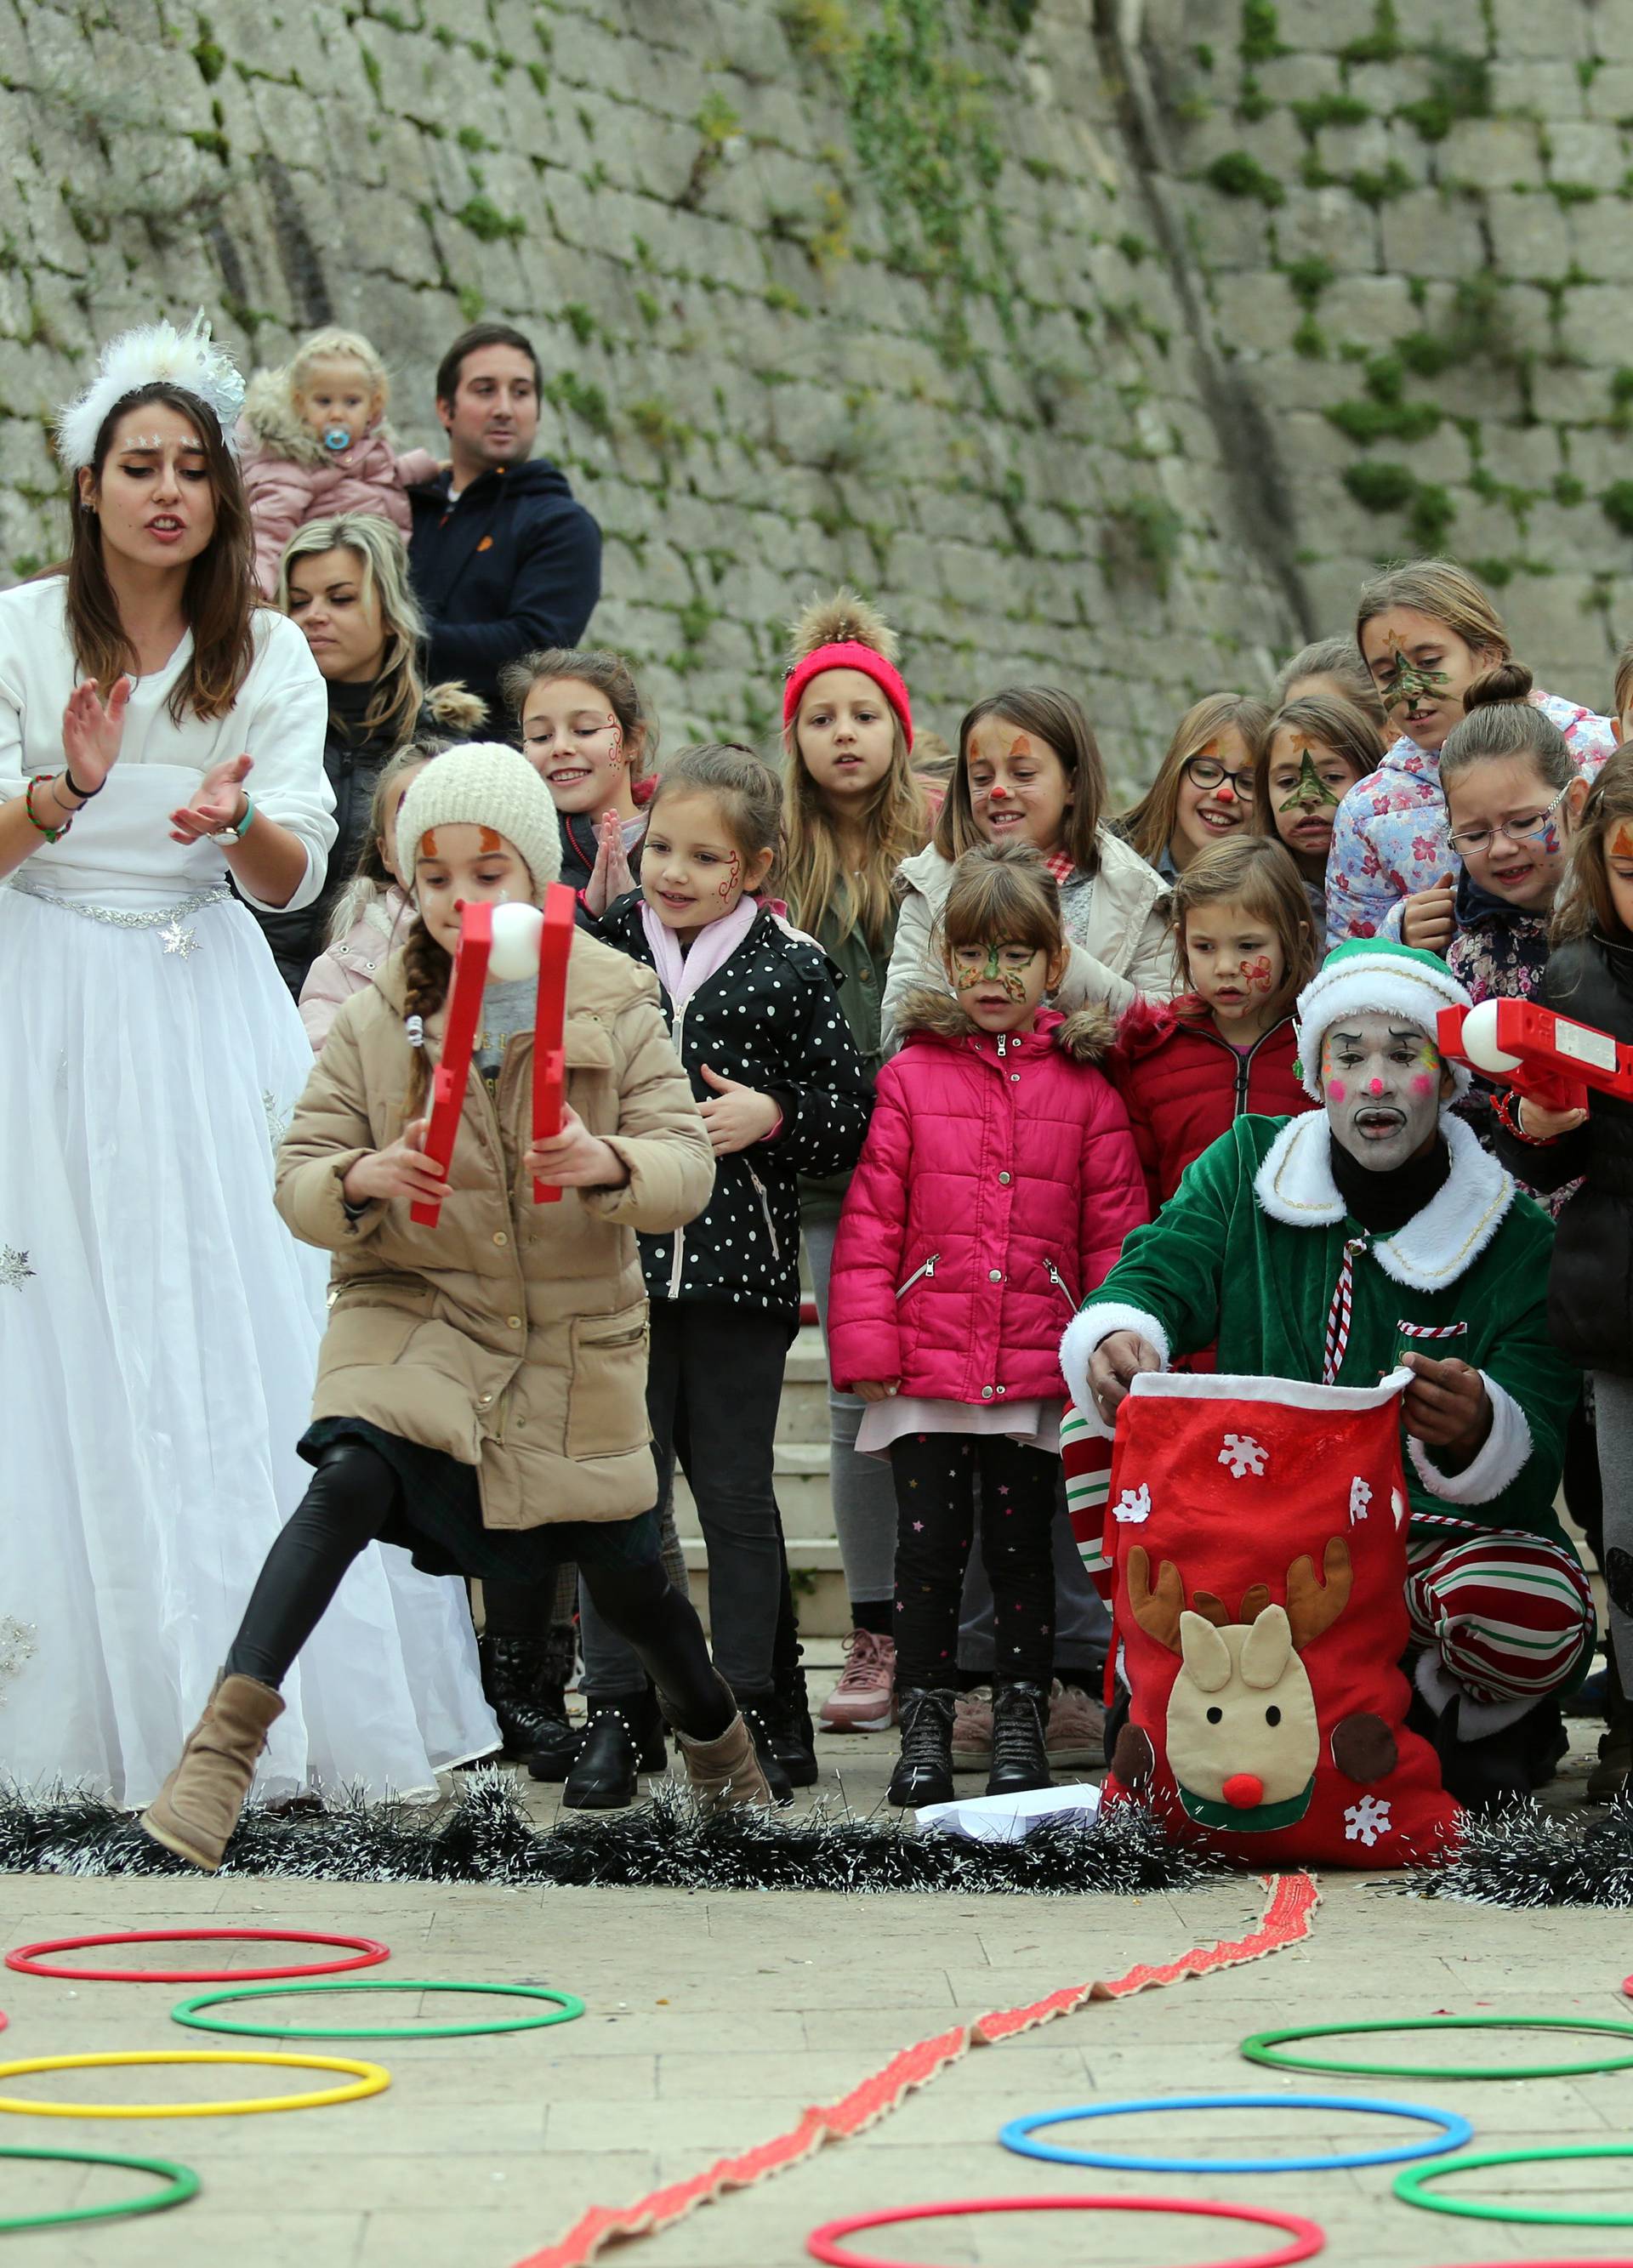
[(236, 830)]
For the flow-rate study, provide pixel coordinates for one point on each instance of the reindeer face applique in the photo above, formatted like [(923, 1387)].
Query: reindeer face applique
[(1243, 1737)]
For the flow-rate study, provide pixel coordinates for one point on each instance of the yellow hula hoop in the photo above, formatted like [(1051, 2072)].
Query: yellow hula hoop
[(367, 2079)]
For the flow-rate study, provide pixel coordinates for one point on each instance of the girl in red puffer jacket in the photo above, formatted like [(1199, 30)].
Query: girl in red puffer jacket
[(996, 1187), (1186, 1069)]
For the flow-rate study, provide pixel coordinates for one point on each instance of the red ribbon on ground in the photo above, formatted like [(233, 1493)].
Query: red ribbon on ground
[(1286, 1920)]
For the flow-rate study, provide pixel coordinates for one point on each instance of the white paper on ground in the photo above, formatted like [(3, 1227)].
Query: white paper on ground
[(1009, 1818)]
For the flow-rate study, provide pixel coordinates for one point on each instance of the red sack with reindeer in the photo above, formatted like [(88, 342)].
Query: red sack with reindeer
[(1257, 1527)]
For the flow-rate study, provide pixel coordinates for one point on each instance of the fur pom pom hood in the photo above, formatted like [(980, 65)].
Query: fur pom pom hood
[(452, 707), (843, 618), (1085, 1036)]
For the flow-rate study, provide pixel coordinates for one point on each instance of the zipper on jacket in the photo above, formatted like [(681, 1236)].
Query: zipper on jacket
[(1243, 1063), (1059, 1282), (771, 1229), (677, 1033), (928, 1269)]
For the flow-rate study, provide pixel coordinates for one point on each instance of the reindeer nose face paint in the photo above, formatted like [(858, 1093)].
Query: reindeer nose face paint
[(1380, 1083)]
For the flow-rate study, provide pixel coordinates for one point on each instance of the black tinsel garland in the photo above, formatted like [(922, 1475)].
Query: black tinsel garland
[(1527, 1857), (483, 1835)]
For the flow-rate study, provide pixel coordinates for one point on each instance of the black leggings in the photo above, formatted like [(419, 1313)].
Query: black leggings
[(353, 1493), (935, 1475)]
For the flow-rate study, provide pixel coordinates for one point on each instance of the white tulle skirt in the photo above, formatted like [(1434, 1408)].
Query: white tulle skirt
[(158, 1334)]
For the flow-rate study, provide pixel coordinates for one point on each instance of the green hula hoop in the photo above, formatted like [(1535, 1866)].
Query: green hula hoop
[(187, 2012), (184, 2184), (1262, 2047), (1410, 2189)]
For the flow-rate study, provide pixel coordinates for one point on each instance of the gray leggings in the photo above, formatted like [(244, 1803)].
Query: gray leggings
[(1613, 1404), (863, 1492)]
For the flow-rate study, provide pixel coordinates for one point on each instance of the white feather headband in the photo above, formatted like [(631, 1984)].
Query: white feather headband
[(155, 354)]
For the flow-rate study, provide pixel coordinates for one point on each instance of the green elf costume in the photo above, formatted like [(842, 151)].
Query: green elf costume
[(1303, 1258)]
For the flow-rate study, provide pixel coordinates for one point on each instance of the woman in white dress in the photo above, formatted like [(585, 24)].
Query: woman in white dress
[(160, 730)]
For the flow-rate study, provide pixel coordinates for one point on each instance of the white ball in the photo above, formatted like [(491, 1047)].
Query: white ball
[(1480, 1040), (517, 930)]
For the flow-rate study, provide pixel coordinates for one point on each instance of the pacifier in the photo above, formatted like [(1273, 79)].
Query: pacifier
[(337, 437)]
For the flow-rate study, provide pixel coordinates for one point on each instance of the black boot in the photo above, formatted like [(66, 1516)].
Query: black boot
[(760, 1715), (1488, 1772), (1613, 1772), (624, 1738), (522, 1678), (923, 1772), (794, 1738), (1020, 1755)]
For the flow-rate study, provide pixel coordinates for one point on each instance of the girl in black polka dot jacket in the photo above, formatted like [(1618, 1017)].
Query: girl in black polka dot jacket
[(756, 1020)]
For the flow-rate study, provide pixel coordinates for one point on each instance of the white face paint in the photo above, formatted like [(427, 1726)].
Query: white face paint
[(1383, 1081)]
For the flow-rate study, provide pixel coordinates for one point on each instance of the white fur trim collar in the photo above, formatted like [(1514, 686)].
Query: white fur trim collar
[(1295, 1184)]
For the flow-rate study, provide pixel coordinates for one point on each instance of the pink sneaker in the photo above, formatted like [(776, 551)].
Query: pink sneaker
[(973, 1730), (864, 1699), (1075, 1735)]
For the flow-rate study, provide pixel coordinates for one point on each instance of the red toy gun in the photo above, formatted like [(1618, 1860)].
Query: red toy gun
[(1540, 1055), (507, 942)]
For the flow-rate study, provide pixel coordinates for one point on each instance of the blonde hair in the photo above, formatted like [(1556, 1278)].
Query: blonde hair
[(382, 558), (610, 675), (896, 818), (1150, 824), (332, 344), (1585, 903), (1339, 658), (1442, 589), (1330, 722), (1257, 874)]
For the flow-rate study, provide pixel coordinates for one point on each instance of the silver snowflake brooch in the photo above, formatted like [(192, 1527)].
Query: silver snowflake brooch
[(178, 940), (13, 1268)]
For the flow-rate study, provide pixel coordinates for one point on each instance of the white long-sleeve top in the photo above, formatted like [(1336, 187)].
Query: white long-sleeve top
[(119, 853)]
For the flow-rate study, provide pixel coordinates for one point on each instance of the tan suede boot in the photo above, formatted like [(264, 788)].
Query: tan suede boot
[(724, 1774), (195, 1812)]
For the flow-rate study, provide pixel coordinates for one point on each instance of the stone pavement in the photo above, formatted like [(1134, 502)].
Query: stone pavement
[(715, 2019)]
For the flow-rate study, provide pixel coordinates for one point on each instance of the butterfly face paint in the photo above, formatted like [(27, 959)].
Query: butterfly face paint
[(1312, 791), (999, 984), (970, 969)]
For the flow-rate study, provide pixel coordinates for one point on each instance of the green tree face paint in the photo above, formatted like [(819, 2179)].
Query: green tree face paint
[(1406, 683), (1311, 792)]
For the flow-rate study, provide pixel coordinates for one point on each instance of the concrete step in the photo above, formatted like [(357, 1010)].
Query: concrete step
[(802, 1413)]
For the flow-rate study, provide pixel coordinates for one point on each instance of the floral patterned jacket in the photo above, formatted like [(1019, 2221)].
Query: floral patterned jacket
[(1389, 839)]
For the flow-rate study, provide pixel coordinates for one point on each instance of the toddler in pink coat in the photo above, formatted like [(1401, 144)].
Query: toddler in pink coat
[(997, 1184), (312, 441)]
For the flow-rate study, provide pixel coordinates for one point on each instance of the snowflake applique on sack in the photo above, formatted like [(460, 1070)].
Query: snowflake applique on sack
[(1133, 1505), (1360, 1497), (1367, 1820), (1243, 1455)]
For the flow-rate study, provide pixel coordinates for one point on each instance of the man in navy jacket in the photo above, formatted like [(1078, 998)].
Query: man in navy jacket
[(503, 559)]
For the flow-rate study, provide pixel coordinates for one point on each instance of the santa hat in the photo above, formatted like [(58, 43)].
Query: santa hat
[(844, 632), (1373, 975), (485, 784)]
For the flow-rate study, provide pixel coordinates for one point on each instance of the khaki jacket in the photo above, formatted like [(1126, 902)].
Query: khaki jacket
[(512, 1336)]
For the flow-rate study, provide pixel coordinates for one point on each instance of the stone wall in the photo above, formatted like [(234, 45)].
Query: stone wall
[(1110, 343), (1417, 234)]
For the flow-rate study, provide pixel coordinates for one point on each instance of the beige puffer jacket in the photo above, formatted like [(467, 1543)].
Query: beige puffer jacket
[(512, 1336)]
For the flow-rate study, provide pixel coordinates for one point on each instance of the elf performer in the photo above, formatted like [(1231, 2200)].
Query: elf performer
[(1335, 1246)]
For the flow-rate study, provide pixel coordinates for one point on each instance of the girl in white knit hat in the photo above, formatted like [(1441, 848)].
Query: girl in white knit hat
[(481, 1394)]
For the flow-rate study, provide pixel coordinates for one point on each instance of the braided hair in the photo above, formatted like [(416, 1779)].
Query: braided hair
[(429, 968)]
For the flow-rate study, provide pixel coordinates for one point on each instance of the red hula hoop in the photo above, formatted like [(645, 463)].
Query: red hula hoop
[(1308, 2237), (368, 1952)]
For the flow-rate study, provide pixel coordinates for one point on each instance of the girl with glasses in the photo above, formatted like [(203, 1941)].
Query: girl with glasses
[(1203, 792)]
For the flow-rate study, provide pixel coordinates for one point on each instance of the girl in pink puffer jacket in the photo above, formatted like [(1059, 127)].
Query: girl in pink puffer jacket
[(312, 441), (997, 1184)]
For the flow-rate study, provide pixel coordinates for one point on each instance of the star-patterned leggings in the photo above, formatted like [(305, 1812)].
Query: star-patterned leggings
[(935, 1475)]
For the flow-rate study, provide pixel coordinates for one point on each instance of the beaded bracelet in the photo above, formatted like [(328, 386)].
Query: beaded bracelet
[(51, 833), (1505, 1110)]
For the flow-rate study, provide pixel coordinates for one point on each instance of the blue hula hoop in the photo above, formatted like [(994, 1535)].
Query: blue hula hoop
[(1454, 2132)]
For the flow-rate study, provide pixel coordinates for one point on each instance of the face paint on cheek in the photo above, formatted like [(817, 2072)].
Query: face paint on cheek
[(1257, 974), (1337, 1091), (733, 870), (1422, 1085), (614, 760)]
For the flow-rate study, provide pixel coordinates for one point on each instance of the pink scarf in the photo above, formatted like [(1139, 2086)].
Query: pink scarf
[(682, 974)]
